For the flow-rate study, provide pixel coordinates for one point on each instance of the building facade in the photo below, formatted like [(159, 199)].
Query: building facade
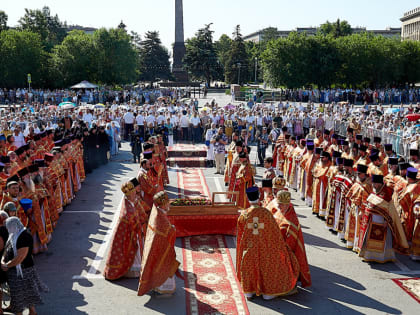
[(411, 25), (257, 37)]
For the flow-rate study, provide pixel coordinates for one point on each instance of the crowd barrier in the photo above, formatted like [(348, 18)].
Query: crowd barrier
[(400, 145)]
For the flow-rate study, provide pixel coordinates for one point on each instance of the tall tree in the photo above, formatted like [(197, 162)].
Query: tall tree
[(154, 59), (74, 59), (286, 61), (50, 28), (269, 34), (222, 47), (21, 53), (236, 68), (336, 29), (201, 58), (3, 21), (116, 57), (409, 53)]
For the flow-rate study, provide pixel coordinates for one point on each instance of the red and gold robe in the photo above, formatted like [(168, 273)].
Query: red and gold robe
[(260, 243), (292, 234), (20, 212), (357, 195), (159, 258), (309, 166), (148, 190), (405, 204), (320, 188), (377, 170), (236, 163), (127, 239), (244, 180), (373, 235)]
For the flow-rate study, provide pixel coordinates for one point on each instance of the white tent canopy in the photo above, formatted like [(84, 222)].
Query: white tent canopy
[(84, 85)]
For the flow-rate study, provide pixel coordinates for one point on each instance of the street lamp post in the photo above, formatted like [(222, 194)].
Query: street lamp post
[(256, 67), (239, 73)]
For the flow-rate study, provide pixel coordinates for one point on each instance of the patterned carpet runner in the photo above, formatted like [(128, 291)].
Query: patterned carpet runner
[(411, 286), (210, 280), (192, 184)]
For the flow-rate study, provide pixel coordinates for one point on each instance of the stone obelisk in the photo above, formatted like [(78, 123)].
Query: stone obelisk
[(179, 47)]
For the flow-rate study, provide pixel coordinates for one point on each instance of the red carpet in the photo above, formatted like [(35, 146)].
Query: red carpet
[(192, 184), (210, 279), (411, 286)]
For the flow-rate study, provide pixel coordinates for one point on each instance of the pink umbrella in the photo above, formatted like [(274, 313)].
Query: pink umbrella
[(229, 107)]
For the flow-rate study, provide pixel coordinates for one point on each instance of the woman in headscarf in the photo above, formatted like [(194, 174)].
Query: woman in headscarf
[(24, 283)]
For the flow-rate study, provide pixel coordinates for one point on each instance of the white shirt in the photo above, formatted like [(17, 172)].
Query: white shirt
[(184, 122), (150, 119), (160, 119), (140, 120), (129, 118), (19, 140), (195, 121), (87, 118)]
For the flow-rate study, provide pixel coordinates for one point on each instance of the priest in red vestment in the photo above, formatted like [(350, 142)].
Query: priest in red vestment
[(159, 264), (124, 257), (408, 204), (320, 184), (244, 179), (265, 265), (288, 222), (381, 231)]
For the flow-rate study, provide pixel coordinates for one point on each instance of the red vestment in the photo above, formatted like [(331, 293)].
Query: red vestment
[(372, 237), (159, 258), (244, 180), (127, 238), (292, 233), (264, 262)]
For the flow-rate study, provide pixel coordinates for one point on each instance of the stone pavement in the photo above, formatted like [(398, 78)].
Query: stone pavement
[(72, 267)]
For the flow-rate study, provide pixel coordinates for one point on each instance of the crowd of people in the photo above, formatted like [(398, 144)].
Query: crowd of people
[(130, 95), (44, 157), (367, 192), (354, 96)]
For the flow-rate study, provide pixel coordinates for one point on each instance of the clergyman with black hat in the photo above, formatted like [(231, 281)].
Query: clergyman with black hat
[(381, 231), (259, 244), (408, 206), (124, 257), (244, 179), (320, 185)]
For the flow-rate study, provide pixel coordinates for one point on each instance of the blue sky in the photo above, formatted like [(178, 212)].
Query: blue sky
[(145, 15)]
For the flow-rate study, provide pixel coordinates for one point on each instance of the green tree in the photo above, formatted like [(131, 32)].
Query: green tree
[(154, 59), (323, 61), (200, 59), (237, 66), (223, 46), (409, 53), (21, 53), (50, 28), (336, 29), (269, 34), (74, 59), (3, 21), (286, 61), (116, 57)]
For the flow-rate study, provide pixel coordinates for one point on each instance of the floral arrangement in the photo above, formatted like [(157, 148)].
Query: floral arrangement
[(190, 202)]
